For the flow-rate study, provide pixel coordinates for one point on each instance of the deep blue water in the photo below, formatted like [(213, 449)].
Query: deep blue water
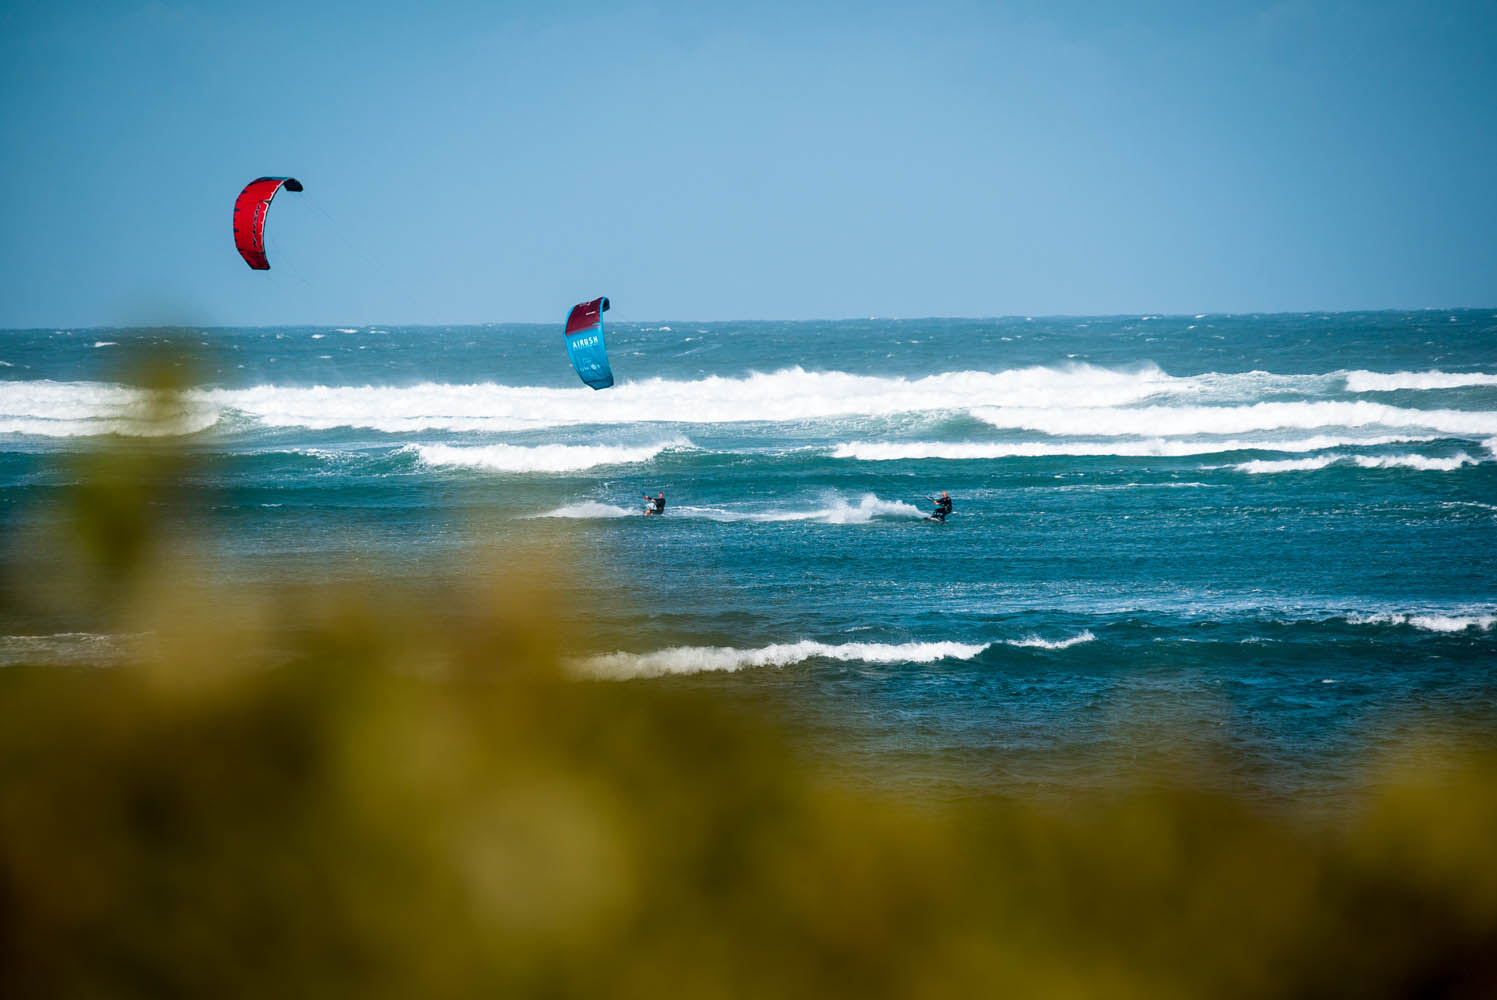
[(1277, 530)]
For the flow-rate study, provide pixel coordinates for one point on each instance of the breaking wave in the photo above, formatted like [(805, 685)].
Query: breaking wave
[(1421, 463), (1363, 381), (540, 458), (1428, 622), (788, 395), (1179, 421), (1035, 642), (1082, 401), (86, 409), (888, 451), (702, 659)]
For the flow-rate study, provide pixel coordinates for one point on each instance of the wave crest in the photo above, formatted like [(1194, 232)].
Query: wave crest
[(1365, 381), (1420, 463), (703, 659), (539, 458), (1179, 421), (1428, 621), (787, 395), (890, 451), (1035, 642)]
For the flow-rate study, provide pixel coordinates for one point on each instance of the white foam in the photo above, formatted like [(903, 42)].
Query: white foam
[(1268, 466), (1422, 463), (1364, 381), (1035, 642), (1428, 621), (788, 395), (835, 510), (590, 511), (539, 458), (1077, 400), (701, 659), (885, 451), (1470, 503), (1180, 421), (79, 409), (106, 343)]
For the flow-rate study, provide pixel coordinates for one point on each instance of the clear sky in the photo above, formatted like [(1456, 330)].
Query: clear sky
[(490, 162)]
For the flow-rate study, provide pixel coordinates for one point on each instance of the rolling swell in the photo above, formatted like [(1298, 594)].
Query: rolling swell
[(1282, 524), (1070, 410)]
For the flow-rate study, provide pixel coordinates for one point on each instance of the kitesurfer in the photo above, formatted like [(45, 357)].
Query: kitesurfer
[(657, 505), (943, 507)]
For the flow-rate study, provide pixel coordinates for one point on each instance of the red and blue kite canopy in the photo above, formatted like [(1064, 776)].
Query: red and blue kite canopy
[(584, 340)]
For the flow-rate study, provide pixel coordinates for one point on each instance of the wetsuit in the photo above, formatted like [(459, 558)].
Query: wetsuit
[(658, 504), (943, 507)]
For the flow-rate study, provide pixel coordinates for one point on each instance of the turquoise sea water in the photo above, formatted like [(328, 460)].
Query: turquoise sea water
[(1279, 530)]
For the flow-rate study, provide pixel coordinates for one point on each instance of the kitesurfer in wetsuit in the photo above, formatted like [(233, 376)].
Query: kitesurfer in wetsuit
[(943, 507), (657, 504)]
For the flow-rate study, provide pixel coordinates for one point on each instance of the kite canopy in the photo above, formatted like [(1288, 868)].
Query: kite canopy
[(249, 217), (584, 340)]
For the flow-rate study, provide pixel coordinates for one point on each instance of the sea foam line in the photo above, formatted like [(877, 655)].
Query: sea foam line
[(1365, 381), (1073, 400), (1421, 463), (1428, 621), (787, 395), (888, 451), (1183, 421), (45, 408), (727, 659), (1035, 642), (539, 458), (834, 510), (591, 510)]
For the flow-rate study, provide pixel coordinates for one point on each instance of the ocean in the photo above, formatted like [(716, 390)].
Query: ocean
[(1266, 539)]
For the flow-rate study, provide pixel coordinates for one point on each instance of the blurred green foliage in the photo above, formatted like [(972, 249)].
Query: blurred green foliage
[(368, 791)]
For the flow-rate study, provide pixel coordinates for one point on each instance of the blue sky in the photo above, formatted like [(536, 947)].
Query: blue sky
[(473, 162)]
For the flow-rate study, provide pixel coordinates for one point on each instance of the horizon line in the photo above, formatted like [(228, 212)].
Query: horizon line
[(1019, 317)]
